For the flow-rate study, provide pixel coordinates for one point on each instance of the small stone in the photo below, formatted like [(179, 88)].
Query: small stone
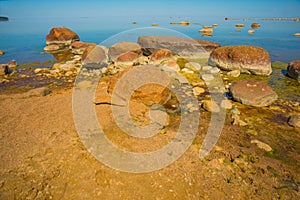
[(211, 106), (251, 31), (69, 73), (215, 70), (237, 121), (37, 70), (262, 145), (188, 71), (208, 77), (2, 52), (198, 90), (235, 111), (226, 104), (206, 68), (198, 84), (234, 73), (294, 121)]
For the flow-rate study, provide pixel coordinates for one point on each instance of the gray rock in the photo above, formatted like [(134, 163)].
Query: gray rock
[(293, 69), (294, 121), (185, 47), (253, 93)]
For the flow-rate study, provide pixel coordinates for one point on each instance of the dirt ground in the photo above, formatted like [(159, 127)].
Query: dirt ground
[(42, 157)]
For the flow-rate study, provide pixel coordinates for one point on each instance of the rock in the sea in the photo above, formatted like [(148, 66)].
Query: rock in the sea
[(184, 23), (255, 25), (293, 69), (240, 25), (79, 47), (94, 54), (61, 35), (297, 34), (4, 69), (185, 47), (211, 106), (207, 31), (161, 54), (2, 52), (294, 121), (262, 145), (149, 93), (120, 48), (253, 93), (247, 59), (251, 31), (52, 47)]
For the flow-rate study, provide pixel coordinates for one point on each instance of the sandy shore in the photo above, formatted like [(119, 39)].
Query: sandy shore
[(42, 157)]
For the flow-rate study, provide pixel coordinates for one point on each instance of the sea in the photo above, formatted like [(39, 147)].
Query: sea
[(23, 39)]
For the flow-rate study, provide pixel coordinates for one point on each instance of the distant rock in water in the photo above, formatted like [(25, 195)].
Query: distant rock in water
[(251, 31), (184, 23), (293, 70), (255, 25), (3, 18), (2, 52), (154, 24), (247, 59), (240, 25), (134, 22), (253, 93), (297, 34), (173, 23), (61, 35)]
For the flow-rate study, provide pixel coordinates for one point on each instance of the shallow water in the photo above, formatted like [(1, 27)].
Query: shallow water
[(24, 39)]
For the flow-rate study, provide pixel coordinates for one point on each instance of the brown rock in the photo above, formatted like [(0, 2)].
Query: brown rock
[(148, 94), (207, 45), (211, 106), (79, 47), (94, 54), (120, 48), (247, 59), (240, 25), (253, 93), (127, 57), (61, 36), (294, 121), (184, 23), (293, 69), (255, 25), (2, 53), (52, 47), (161, 54)]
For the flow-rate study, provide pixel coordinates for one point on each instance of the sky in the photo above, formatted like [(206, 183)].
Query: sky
[(201, 8)]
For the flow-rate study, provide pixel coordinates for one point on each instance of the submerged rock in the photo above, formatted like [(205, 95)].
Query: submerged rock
[(293, 69), (247, 59), (61, 35), (253, 93), (294, 121), (255, 25)]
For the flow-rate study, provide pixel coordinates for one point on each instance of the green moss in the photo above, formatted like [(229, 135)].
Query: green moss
[(181, 62)]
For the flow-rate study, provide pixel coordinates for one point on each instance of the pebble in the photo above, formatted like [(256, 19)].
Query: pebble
[(262, 145), (207, 77), (215, 70), (198, 90), (206, 68), (211, 106), (193, 66), (226, 104), (234, 73), (2, 52), (188, 71)]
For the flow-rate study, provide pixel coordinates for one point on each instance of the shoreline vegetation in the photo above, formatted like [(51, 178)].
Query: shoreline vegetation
[(257, 155)]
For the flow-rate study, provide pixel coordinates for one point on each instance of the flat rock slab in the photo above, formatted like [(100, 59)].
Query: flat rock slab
[(186, 47), (247, 59), (253, 93)]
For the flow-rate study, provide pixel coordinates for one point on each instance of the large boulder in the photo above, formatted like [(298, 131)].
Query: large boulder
[(148, 94), (293, 69), (186, 47), (79, 47), (62, 36), (247, 59), (120, 48), (253, 93)]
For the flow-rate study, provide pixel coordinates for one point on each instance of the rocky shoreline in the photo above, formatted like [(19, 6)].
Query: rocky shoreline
[(260, 121)]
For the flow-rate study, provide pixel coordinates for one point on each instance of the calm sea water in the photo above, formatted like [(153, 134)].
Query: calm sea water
[(24, 39)]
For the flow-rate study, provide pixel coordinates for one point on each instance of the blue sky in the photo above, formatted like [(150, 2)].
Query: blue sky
[(205, 8)]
